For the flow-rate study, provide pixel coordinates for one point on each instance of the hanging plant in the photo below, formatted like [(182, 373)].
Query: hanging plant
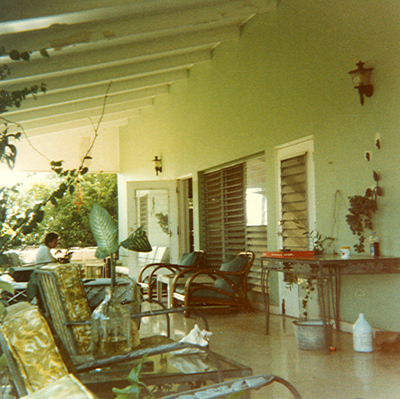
[(362, 209)]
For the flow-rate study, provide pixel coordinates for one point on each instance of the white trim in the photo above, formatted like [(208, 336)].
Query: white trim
[(285, 151)]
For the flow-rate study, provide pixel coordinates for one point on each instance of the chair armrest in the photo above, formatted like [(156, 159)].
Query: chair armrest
[(139, 353), (153, 265), (194, 272), (245, 384)]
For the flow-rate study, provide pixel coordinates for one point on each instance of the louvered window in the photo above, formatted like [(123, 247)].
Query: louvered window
[(294, 203), (142, 206), (235, 213), (224, 195)]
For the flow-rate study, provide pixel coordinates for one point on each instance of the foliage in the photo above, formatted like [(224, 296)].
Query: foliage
[(163, 222), (105, 232), (13, 222), (362, 209), (136, 389), (320, 244), (64, 218), (14, 98)]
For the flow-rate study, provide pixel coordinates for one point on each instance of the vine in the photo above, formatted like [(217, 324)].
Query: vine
[(362, 209)]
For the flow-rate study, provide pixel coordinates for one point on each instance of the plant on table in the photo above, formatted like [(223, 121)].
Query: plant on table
[(362, 209), (136, 389), (320, 244)]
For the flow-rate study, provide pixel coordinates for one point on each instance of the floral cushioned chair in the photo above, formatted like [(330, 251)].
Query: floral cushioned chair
[(229, 287), (35, 362), (66, 305), (38, 370), (148, 275)]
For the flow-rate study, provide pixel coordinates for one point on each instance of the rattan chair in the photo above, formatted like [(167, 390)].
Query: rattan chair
[(147, 278), (228, 286)]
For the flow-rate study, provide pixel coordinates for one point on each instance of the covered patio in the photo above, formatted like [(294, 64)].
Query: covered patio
[(342, 373), (216, 90)]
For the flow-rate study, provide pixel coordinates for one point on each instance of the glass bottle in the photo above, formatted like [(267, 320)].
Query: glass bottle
[(110, 328), (374, 245)]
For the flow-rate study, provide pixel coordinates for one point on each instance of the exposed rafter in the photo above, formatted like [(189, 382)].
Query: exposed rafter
[(141, 46)]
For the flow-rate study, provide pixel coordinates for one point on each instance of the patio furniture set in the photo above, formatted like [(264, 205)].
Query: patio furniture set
[(48, 348)]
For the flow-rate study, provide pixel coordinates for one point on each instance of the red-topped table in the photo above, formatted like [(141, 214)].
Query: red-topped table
[(327, 270)]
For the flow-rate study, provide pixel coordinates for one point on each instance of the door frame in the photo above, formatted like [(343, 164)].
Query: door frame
[(170, 186), (183, 214), (289, 300)]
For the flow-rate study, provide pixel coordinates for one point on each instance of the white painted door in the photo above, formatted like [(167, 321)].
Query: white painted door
[(296, 210), (154, 205)]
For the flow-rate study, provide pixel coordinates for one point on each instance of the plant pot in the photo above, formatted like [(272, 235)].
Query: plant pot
[(310, 334)]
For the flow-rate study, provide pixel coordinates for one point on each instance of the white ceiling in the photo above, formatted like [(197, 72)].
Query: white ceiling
[(142, 47)]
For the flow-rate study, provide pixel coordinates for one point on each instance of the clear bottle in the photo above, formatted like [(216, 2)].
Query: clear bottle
[(374, 245), (362, 335), (110, 328)]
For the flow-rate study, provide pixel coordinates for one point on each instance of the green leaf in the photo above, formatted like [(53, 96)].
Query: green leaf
[(133, 376), (44, 53), (236, 395), (100, 254), (104, 230), (14, 55), (6, 287), (137, 241), (25, 56)]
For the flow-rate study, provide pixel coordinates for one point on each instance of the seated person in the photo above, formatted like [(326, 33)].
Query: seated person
[(44, 254), (43, 257)]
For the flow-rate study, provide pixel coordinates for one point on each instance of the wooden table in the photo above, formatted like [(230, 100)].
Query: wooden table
[(327, 270)]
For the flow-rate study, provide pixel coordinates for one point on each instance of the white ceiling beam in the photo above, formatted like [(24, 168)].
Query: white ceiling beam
[(116, 118), (137, 86), (58, 109), (113, 71), (89, 55), (46, 12), (93, 113)]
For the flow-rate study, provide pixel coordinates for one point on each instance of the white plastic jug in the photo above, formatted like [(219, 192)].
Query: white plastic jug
[(362, 335)]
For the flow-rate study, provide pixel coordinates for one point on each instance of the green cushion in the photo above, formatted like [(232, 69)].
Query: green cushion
[(235, 265), (189, 259)]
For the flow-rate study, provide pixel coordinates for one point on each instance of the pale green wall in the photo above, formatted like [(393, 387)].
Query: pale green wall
[(284, 79)]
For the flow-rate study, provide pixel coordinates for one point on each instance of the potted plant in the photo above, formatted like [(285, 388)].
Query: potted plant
[(311, 334), (111, 329), (361, 211)]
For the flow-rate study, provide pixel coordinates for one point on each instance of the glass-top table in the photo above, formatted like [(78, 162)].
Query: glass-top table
[(167, 371)]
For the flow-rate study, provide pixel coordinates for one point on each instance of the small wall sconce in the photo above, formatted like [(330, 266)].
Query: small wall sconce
[(157, 164), (361, 79)]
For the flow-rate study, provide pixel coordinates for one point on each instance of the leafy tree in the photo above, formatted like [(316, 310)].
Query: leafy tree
[(64, 217)]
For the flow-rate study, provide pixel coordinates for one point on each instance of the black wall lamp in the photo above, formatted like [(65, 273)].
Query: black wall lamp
[(157, 164), (361, 79)]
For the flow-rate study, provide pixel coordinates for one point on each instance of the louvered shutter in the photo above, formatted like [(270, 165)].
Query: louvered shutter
[(224, 206), (234, 210), (294, 203)]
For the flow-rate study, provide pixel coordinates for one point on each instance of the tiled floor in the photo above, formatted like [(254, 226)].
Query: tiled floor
[(341, 374)]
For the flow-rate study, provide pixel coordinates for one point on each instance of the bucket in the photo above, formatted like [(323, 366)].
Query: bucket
[(310, 334)]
